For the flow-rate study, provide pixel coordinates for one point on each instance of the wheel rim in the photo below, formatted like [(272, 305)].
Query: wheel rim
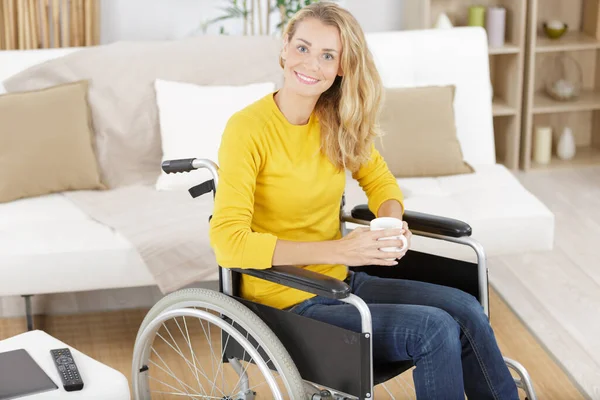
[(176, 388)]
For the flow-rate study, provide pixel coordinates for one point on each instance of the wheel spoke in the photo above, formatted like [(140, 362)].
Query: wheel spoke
[(209, 339), (388, 391), (193, 354), (398, 380), (179, 392), (220, 365), (187, 395), (174, 377), (167, 365), (179, 349), (407, 381), (160, 351), (262, 383), (181, 355)]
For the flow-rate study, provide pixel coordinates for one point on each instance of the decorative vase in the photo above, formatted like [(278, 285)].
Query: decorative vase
[(565, 149), (476, 16), (563, 77), (443, 22), (495, 25)]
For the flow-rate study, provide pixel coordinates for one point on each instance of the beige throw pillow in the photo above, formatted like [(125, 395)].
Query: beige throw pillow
[(46, 143), (420, 133)]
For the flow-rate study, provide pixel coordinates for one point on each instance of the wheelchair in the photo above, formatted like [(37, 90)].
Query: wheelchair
[(267, 353)]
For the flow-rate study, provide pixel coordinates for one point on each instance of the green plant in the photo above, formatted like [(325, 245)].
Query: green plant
[(256, 16), (287, 8), (234, 10)]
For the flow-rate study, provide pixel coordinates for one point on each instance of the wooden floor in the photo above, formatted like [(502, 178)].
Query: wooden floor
[(557, 293), (109, 337)]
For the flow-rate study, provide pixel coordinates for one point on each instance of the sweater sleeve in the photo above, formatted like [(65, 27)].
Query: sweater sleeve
[(378, 182), (234, 243)]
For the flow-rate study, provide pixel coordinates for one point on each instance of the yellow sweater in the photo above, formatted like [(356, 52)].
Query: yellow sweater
[(275, 183)]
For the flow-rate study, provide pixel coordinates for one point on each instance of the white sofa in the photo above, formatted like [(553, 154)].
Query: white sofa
[(48, 237), (49, 245)]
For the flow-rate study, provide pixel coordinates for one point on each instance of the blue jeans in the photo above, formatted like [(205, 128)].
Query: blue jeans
[(443, 330)]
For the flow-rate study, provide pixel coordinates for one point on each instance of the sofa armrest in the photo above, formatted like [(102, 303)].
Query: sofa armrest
[(301, 279), (421, 222)]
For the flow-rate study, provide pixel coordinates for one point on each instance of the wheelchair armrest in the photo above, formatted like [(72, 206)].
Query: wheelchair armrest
[(301, 279), (421, 222)]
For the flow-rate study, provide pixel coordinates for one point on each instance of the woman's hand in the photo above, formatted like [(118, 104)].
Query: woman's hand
[(408, 234), (361, 247)]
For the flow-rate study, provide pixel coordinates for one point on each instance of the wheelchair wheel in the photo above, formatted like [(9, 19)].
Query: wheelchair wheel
[(184, 350)]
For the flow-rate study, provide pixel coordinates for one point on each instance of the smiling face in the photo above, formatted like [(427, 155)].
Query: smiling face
[(312, 58)]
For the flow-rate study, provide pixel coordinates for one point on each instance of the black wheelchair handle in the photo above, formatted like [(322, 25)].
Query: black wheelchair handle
[(176, 166)]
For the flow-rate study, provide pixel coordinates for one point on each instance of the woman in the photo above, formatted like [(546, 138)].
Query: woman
[(282, 170)]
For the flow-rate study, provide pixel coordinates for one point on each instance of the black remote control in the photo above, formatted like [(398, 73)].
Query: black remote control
[(65, 364)]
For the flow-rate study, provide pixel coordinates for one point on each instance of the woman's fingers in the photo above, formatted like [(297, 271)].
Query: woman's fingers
[(394, 254), (382, 255), (390, 243), (388, 259), (386, 233)]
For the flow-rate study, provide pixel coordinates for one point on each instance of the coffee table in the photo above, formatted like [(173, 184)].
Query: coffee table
[(100, 381)]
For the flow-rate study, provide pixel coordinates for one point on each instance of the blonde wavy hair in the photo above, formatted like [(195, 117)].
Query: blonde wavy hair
[(349, 110)]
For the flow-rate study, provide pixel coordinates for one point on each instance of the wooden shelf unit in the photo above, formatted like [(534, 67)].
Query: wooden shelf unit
[(586, 155), (582, 43), (570, 41), (506, 63), (508, 48), (500, 108), (588, 100)]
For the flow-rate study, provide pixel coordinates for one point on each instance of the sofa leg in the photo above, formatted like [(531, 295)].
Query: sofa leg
[(28, 313)]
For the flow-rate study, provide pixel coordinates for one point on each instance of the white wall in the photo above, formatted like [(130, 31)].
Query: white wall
[(376, 15), (172, 19), (153, 19)]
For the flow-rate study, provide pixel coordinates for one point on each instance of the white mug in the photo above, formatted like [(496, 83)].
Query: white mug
[(381, 223)]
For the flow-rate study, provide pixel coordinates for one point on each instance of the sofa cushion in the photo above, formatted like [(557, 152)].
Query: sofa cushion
[(504, 216), (192, 120), (41, 209), (457, 57), (15, 61), (122, 95), (48, 245), (415, 143), (47, 144)]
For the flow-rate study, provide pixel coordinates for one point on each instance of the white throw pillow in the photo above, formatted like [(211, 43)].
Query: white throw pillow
[(192, 119)]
